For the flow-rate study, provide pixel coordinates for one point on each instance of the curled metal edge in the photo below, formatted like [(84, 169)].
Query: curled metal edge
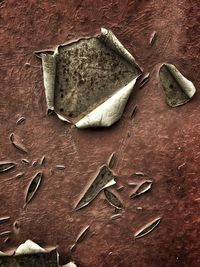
[(109, 111), (186, 85), (29, 248), (49, 73)]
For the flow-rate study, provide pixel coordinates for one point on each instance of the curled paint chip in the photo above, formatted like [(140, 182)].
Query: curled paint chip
[(177, 88), (6, 166), (29, 247), (104, 179), (148, 228), (88, 82)]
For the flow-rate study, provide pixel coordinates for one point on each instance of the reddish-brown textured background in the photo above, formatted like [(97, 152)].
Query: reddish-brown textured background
[(157, 141)]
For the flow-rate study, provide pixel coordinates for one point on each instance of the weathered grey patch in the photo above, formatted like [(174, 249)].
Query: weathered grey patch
[(177, 88)]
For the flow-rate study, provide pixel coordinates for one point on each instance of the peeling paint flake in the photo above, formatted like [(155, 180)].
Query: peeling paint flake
[(104, 179), (88, 82), (144, 187), (147, 228), (17, 144), (112, 199), (178, 90), (6, 166), (33, 187)]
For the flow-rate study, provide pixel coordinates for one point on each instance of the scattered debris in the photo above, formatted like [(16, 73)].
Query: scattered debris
[(182, 165), (120, 188), (6, 166), (112, 199), (19, 175), (20, 120), (5, 233), (25, 161), (34, 163), (17, 144), (153, 38), (144, 187), (4, 219), (139, 174), (104, 179), (33, 187), (148, 228), (116, 216), (60, 167), (133, 113), (83, 234), (144, 80), (112, 160), (42, 161)]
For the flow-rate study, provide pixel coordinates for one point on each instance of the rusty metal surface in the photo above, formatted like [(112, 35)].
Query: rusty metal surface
[(159, 141)]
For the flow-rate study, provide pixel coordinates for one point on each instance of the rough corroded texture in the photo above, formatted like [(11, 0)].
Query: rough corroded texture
[(160, 141)]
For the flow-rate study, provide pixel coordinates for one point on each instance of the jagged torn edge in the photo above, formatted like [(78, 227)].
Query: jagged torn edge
[(30, 247), (112, 109)]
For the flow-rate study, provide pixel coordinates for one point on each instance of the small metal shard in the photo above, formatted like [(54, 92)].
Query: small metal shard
[(20, 120), (19, 175), (25, 161), (82, 235), (178, 90), (112, 199), (6, 166), (182, 165), (144, 187), (132, 184), (42, 161), (33, 187), (139, 173), (5, 233), (133, 113), (112, 160), (153, 38), (116, 216), (103, 179), (17, 144), (120, 188), (60, 167), (148, 228), (4, 219), (144, 80), (34, 163)]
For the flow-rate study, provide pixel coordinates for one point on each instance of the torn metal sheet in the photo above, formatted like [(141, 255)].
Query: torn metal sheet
[(29, 247), (88, 82), (31, 254), (104, 179), (177, 88)]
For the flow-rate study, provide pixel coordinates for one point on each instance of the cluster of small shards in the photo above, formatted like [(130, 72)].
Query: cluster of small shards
[(104, 179), (29, 253)]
